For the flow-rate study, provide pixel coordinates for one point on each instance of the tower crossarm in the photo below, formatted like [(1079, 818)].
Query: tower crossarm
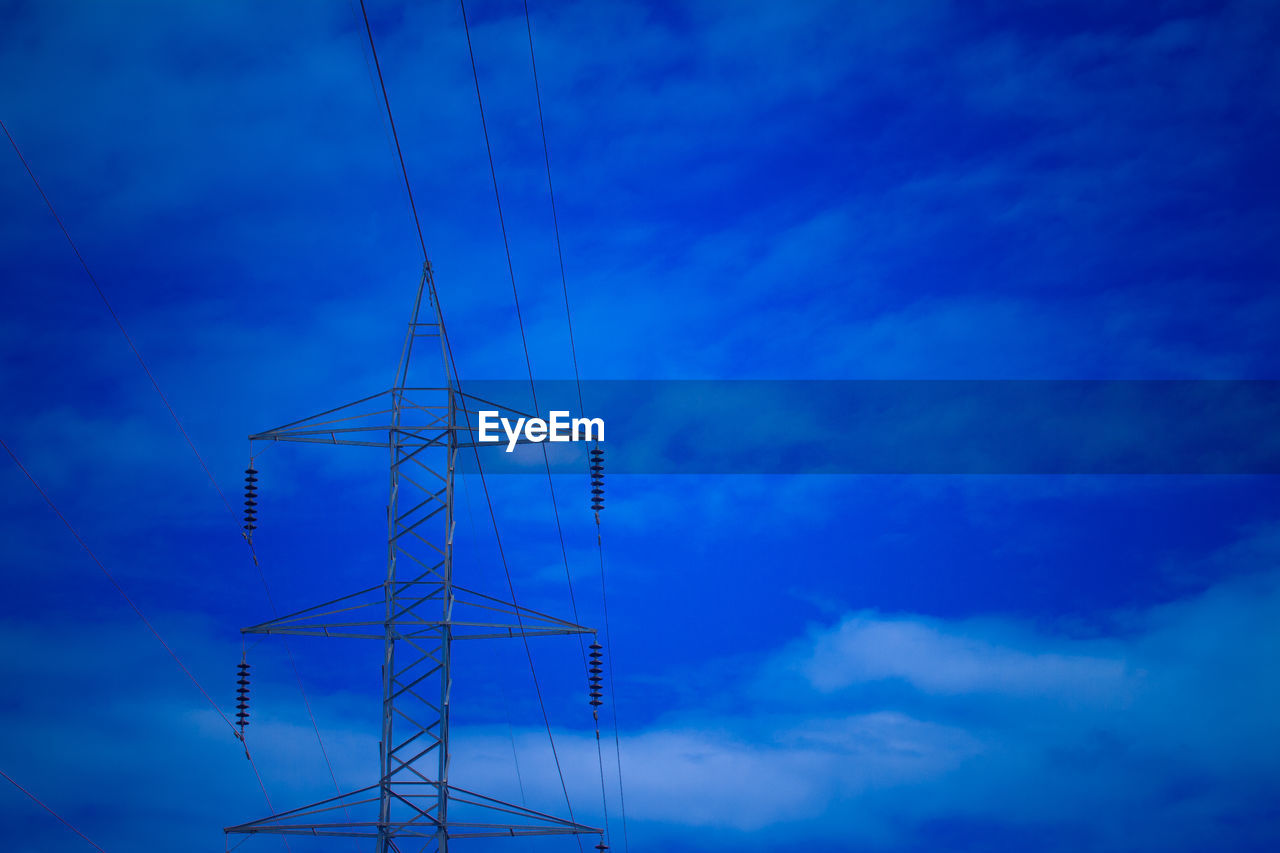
[(473, 616), (393, 418), (480, 816)]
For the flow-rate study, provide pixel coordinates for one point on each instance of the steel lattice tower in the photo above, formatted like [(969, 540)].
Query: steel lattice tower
[(417, 612)]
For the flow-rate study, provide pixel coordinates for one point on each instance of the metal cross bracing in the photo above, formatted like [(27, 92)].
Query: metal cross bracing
[(417, 612)]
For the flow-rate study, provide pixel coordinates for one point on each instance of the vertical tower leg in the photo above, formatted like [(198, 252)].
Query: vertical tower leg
[(446, 632), (389, 642)]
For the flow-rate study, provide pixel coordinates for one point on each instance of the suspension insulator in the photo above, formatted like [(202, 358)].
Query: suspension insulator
[(242, 695), (250, 500), (597, 479), (602, 846), (594, 678)]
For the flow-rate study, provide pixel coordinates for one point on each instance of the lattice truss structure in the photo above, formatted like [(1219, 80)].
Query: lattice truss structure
[(417, 612)]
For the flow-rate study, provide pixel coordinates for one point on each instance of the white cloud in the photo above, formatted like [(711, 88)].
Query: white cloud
[(1161, 731), (937, 657), (717, 774), (1150, 736)]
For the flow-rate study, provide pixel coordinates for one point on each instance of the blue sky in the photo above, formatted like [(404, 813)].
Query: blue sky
[(747, 190)]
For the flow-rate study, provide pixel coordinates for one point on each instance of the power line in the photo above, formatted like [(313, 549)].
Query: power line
[(568, 315), (172, 414), (555, 219), (417, 223), (116, 584), (141, 615), (297, 676), (613, 701), (177, 421), (506, 706), (520, 623), (39, 803), (116, 317), (524, 341), (454, 369)]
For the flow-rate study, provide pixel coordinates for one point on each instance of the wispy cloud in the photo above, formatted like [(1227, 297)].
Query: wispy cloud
[(947, 659)]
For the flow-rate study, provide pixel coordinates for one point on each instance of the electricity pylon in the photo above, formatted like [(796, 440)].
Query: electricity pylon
[(418, 612)]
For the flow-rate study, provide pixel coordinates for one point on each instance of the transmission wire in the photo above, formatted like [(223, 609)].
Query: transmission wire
[(145, 621), (454, 368), (38, 802), (568, 315), (174, 415), (116, 317), (417, 223), (524, 341), (506, 705)]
